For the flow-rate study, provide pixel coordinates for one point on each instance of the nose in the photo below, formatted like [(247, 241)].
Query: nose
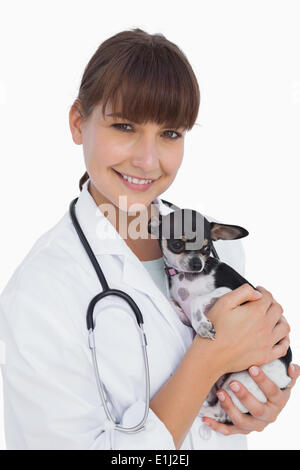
[(195, 264), (146, 155)]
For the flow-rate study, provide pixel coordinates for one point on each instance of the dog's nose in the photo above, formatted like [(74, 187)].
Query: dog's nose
[(195, 264)]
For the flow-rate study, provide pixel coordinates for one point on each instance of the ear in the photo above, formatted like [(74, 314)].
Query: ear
[(154, 225), (226, 232)]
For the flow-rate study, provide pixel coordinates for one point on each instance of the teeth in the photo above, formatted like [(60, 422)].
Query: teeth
[(135, 180)]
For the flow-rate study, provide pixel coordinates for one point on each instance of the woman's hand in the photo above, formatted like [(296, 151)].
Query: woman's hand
[(248, 328), (262, 414)]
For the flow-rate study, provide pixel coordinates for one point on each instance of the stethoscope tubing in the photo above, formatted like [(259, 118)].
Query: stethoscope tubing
[(91, 326)]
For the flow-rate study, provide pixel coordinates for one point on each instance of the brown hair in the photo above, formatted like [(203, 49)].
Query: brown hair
[(148, 74)]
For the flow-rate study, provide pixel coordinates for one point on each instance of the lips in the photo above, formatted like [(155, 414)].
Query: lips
[(132, 176), (134, 186)]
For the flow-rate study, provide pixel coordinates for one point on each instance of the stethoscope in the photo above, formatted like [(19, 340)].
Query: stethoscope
[(106, 290)]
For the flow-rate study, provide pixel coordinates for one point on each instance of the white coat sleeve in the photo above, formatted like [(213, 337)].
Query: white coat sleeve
[(50, 395)]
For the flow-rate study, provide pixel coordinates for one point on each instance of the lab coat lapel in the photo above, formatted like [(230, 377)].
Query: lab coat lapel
[(134, 272)]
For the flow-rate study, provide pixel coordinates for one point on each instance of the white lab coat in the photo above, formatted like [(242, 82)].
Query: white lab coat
[(51, 400)]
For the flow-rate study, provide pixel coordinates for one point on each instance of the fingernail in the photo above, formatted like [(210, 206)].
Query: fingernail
[(234, 387), (254, 371), (292, 368), (221, 396)]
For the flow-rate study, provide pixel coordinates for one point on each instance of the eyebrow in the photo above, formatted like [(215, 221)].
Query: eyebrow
[(120, 115)]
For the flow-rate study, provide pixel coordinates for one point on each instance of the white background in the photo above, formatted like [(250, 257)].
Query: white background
[(241, 163)]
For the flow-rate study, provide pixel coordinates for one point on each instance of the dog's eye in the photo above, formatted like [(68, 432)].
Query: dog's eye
[(177, 245)]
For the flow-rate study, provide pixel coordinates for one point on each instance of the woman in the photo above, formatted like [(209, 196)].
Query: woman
[(137, 99)]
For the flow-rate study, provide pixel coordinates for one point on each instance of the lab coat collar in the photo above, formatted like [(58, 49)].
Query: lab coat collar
[(105, 240)]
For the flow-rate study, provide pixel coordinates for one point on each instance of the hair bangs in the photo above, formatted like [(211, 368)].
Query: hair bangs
[(151, 86)]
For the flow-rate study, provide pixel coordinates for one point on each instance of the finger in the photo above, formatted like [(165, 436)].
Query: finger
[(271, 391), (255, 407), (294, 373), (282, 318), (267, 298), (280, 349), (266, 294), (274, 313), (239, 295), (250, 423), (286, 395), (263, 290), (239, 419), (226, 429), (280, 330)]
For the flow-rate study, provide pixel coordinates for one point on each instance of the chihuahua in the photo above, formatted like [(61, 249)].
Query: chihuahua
[(196, 280)]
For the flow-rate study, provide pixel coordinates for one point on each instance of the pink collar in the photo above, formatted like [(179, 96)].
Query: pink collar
[(172, 271)]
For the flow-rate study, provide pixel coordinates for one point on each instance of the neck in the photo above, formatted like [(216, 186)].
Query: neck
[(144, 247), (121, 219)]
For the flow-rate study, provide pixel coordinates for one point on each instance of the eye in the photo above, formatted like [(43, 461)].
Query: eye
[(177, 136), (177, 245), (119, 127)]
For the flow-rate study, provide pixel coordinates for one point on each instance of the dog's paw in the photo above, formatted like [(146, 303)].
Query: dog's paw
[(206, 329)]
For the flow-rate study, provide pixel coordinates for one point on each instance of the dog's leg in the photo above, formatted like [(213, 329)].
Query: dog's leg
[(183, 317), (215, 412), (211, 406), (200, 306)]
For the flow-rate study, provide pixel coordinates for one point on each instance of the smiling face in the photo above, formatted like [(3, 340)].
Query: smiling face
[(114, 144)]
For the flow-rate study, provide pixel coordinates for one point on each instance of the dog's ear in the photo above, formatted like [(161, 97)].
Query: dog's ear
[(154, 225), (170, 204), (226, 232)]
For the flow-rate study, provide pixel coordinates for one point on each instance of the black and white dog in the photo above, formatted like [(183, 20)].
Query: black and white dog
[(196, 281)]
